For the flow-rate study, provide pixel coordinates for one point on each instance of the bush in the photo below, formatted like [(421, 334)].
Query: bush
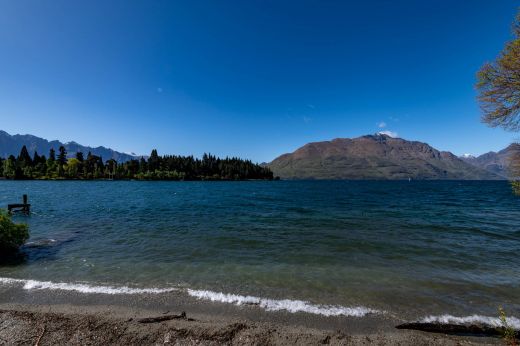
[(12, 235), (508, 332)]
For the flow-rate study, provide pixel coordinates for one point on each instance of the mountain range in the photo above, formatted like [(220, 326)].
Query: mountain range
[(377, 156), (496, 162), (11, 145)]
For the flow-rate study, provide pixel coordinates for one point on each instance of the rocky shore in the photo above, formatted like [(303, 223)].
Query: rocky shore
[(62, 325)]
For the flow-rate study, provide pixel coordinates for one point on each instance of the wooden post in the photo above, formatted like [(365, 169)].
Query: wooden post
[(24, 207)]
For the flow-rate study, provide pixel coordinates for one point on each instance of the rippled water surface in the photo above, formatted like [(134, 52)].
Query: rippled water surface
[(431, 247)]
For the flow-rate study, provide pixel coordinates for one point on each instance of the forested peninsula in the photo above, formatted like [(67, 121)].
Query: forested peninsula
[(168, 167)]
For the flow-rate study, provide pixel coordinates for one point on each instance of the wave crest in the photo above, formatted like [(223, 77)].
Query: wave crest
[(487, 320), (82, 288), (292, 306)]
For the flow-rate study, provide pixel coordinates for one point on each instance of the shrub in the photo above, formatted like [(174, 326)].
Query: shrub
[(12, 235), (508, 332)]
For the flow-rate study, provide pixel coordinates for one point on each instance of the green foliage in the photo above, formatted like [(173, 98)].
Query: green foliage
[(515, 185), (508, 332), (12, 235), (24, 159), (513, 163), (169, 167), (9, 167)]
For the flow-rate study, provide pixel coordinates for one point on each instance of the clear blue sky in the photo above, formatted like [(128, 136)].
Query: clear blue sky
[(249, 78)]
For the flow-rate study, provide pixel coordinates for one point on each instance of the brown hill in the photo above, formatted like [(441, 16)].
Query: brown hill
[(374, 157), (497, 163)]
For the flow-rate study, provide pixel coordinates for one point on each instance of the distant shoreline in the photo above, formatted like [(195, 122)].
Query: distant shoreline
[(106, 179)]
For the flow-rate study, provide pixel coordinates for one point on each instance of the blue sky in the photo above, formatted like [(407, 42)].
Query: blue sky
[(249, 78)]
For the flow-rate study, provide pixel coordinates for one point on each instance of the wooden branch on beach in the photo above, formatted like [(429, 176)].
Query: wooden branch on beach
[(182, 316), (40, 336), (455, 329)]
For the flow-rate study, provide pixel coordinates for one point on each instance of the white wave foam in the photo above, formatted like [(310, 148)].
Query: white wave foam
[(284, 304), (491, 321), (82, 288)]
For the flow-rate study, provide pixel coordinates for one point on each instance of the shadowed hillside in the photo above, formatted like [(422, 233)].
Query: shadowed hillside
[(374, 157), (495, 162), (11, 144)]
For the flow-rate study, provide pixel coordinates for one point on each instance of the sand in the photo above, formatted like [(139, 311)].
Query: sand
[(58, 317), (22, 324)]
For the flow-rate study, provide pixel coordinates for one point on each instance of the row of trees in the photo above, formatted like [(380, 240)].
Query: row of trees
[(168, 167)]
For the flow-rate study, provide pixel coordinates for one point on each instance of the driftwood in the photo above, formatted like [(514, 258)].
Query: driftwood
[(182, 316), (455, 329), (40, 337)]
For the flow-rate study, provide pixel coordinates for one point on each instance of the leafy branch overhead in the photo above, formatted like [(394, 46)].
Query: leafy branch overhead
[(498, 86)]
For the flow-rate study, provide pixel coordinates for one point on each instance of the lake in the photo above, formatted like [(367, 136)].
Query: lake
[(419, 248)]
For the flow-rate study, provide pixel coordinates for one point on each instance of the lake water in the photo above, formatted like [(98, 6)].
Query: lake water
[(325, 247)]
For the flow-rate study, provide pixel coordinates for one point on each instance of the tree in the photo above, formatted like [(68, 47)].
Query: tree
[(72, 168), (52, 155), (10, 167), (514, 166), (24, 159), (36, 158), (79, 156), (12, 235), (498, 86), (62, 160), (153, 161), (167, 167), (62, 156), (51, 164)]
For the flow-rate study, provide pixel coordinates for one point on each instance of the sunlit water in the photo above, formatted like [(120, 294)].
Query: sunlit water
[(427, 247)]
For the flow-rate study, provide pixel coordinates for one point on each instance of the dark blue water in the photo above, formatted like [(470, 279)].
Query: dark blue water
[(428, 247)]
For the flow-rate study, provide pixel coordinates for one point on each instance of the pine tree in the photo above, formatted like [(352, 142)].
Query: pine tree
[(167, 167), (62, 156), (79, 156), (52, 155), (153, 161), (24, 159), (36, 158)]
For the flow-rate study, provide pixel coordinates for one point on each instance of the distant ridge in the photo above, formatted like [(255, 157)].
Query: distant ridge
[(495, 162), (11, 145), (376, 156)]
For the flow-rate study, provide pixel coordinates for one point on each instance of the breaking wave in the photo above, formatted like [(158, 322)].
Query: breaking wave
[(82, 288), (292, 306), (487, 320)]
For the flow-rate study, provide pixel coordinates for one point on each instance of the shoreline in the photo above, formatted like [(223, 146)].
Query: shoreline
[(94, 324), (70, 317)]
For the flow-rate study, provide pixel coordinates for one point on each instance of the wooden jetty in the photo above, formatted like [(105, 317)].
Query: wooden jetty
[(20, 207)]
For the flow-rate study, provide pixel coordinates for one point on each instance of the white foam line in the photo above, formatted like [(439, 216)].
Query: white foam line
[(284, 304), (264, 303), (82, 288), (491, 321)]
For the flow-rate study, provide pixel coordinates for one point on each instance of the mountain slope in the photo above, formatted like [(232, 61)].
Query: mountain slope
[(496, 163), (11, 145), (374, 157)]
